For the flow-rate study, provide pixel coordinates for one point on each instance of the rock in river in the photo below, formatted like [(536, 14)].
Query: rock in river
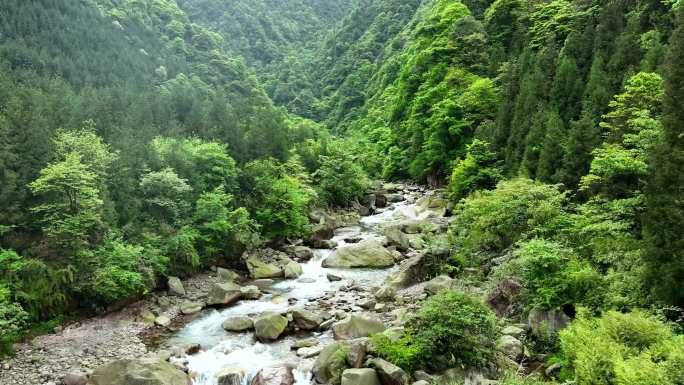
[(238, 324), (230, 376), (369, 253), (223, 294), (269, 326), (307, 320), (274, 376), (138, 372), (259, 269)]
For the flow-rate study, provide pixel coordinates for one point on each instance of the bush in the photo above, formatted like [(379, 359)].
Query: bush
[(624, 349), (554, 276), (479, 170), (13, 321), (340, 178), (280, 198), (451, 328), (489, 222)]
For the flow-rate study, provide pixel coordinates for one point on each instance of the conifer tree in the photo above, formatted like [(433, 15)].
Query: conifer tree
[(664, 220)]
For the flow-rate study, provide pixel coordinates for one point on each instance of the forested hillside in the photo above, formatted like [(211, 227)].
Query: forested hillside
[(148, 139)]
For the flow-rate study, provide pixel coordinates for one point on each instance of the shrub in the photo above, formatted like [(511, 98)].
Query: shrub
[(13, 320), (340, 179), (489, 222), (633, 348), (451, 328), (479, 170), (403, 352), (553, 275), (280, 198)]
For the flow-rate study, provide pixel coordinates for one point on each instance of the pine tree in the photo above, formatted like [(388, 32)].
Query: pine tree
[(664, 219)]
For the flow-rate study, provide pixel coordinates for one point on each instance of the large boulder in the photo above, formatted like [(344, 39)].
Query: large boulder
[(190, 307), (230, 376), (269, 326), (238, 324), (364, 376), (389, 373), (274, 376), (259, 269), (545, 323), (369, 253), (302, 252), (407, 274), (306, 320), (511, 347), (329, 365), (223, 294), (138, 372), (438, 284), (227, 275), (395, 237), (250, 292), (357, 326), (292, 269), (505, 298), (176, 287)]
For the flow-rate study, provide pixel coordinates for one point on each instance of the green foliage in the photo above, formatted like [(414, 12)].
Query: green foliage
[(451, 328), (404, 352), (478, 171), (165, 195), (222, 230), (280, 198), (553, 276), (204, 165), (453, 323), (488, 222), (72, 209), (633, 348), (664, 197), (340, 179)]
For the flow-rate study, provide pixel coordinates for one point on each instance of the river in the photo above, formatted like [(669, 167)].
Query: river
[(222, 349)]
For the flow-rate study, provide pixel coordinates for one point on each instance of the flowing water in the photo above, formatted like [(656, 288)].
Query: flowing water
[(222, 349)]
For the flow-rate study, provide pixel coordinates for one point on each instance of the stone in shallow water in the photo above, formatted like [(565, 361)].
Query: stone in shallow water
[(238, 324), (138, 372), (223, 294), (274, 376), (269, 326), (360, 377), (230, 376), (306, 320)]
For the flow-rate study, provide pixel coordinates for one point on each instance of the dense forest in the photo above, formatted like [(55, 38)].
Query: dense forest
[(142, 139)]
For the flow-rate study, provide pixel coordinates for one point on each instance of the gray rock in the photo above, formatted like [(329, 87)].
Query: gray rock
[(360, 377), (292, 270), (303, 253), (395, 237), (438, 284), (510, 346), (75, 379), (138, 372), (176, 287), (356, 354), (238, 324), (505, 298), (329, 365), (333, 278), (306, 343), (357, 326), (250, 292), (306, 320), (274, 376), (553, 370), (309, 352), (162, 321), (269, 326), (513, 331), (223, 294), (389, 373), (545, 323), (226, 275), (189, 307), (230, 376), (369, 253), (259, 269)]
